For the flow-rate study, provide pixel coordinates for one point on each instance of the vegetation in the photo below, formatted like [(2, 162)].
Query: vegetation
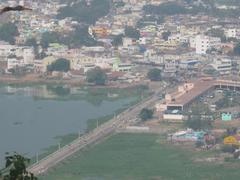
[(8, 32), (165, 35), (169, 8), (33, 43), (16, 168), (61, 64), (174, 8), (228, 2), (142, 157), (49, 37), (200, 117), (236, 49), (80, 37), (154, 74), (119, 4), (132, 32), (217, 33), (150, 20), (229, 100), (83, 12), (117, 40), (77, 38), (96, 76), (146, 114)]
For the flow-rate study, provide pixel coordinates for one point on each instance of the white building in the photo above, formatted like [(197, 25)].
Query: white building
[(203, 43), (231, 33), (13, 62), (223, 65), (170, 66)]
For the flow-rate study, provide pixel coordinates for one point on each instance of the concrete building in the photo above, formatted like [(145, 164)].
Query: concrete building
[(222, 65), (231, 33), (203, 43)]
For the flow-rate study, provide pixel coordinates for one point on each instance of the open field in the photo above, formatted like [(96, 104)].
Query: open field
[(141, 157)]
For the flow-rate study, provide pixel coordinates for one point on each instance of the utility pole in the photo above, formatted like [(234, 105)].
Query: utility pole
[(79, 133), (37, 158)]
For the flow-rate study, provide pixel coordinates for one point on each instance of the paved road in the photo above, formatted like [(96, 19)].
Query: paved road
[(124, 119)]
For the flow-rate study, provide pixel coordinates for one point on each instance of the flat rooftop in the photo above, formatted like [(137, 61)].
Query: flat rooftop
[(200, 87)]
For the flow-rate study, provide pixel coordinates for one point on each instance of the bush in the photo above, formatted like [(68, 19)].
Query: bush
[(154, 74), (97, 76), (146, 114), (62, 65), (228, 148), (199, 144)]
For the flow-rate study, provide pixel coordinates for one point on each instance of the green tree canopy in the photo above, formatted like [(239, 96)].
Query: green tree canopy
[(117, 40), (16, 168), (96, 76), (236, 49), (165, 35), (80, 37), (8, 32), (154, 74), (169, 8), (199, 118), (132, 32), (61, 64), (84, 12), (146, 114), (49, 37), (33, 43)]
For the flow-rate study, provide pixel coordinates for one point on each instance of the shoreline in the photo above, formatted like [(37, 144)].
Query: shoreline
[(38, 80)]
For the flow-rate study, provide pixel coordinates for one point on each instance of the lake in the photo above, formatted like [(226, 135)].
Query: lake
[(32, 117)]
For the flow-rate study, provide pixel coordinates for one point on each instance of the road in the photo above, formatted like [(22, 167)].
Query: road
[(126, 118)]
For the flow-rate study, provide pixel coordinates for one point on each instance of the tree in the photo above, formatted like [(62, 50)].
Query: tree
[(236, 49), (33, 43), (49, 37), (146, 114), (97, 76), (85, 12), (8, 32), (217, 33), (199, 118), (61, 64), (154, 74), (132, 32), (168, 8), (165, 35), (117, 40), (16, 168), (79, 37)]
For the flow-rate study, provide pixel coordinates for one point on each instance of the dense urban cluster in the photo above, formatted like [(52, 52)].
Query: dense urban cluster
[(125, 34)]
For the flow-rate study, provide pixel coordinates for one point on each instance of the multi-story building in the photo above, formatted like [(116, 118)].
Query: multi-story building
[(203, 43), (222, 65)]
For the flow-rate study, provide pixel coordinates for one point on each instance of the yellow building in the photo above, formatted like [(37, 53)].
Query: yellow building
[(101, 31)]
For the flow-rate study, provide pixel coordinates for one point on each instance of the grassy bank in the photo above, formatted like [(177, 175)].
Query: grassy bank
[(140, 157)]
